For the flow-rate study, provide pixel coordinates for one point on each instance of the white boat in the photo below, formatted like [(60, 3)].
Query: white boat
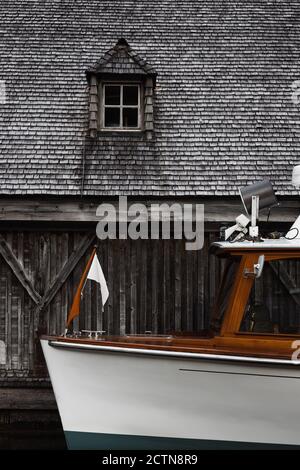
[(234, 386)]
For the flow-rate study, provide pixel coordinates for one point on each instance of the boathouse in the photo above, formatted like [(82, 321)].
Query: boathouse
[(160, 101)]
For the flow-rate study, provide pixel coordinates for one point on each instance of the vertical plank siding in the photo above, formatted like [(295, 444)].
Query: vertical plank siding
[(155, 285)]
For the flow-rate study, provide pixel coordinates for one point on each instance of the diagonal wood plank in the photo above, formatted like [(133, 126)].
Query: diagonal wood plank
[(18, 270), (63, 275)]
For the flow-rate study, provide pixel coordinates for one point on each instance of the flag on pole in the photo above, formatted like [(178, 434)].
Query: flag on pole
[(94, 272)]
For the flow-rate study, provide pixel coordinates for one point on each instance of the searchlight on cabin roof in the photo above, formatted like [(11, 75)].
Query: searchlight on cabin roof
[(264, 193), (255, 197)]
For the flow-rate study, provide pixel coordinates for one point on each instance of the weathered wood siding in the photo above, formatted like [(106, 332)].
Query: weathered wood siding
[(154, 285)]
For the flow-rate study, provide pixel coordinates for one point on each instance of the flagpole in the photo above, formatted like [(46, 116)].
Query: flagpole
[(75, 309), (84, 285)]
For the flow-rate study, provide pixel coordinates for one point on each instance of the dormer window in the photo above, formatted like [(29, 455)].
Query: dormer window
[(121, 106), (121, 92)]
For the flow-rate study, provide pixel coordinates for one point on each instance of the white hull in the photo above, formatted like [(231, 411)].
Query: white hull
[(115, 393)]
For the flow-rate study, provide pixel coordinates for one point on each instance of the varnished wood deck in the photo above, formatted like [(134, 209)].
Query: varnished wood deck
[(260, 346)]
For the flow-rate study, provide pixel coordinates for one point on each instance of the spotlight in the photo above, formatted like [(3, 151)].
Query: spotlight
[(256, 197), (263, 190)]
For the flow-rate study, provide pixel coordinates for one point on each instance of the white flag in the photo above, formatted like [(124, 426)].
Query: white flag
[(96, 274)]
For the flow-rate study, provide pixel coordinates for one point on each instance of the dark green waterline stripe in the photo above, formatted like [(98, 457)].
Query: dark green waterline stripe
[(99, 441)]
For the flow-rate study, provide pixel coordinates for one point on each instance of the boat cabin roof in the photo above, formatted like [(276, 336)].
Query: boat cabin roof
[(266, 244)]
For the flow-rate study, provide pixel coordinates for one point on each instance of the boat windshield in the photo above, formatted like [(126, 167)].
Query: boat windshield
[(221, 304), (274, 302)]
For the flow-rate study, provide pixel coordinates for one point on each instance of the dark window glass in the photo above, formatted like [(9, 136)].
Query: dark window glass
[(222, 300), (112, 95), (130, 117), (130, 95), (274, 301), (112, 117)]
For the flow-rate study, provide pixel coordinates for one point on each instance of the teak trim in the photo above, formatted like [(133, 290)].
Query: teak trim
[(237, 304), (239, 296), (230, 341)]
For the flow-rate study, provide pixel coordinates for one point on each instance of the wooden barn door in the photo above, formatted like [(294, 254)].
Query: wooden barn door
[(155, 286)]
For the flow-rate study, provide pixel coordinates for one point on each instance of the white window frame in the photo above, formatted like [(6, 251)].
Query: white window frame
[(120, 107)]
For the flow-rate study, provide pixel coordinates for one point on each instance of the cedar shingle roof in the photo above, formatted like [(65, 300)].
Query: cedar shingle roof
[(123, 59), (224, 114)]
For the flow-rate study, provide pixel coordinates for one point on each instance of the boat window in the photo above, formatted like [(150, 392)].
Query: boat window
[(224, 293), (274, 301)]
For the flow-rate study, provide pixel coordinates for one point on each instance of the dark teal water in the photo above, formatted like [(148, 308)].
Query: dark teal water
[(32, 440), (20, 430)]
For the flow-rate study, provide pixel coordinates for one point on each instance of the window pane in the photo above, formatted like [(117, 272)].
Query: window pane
[(130, 95), (130, 117), (112, 117), (230, 271), (112, 94), (274, 302)]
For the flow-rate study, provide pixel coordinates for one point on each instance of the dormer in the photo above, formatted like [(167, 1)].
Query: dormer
[(121, 93)]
